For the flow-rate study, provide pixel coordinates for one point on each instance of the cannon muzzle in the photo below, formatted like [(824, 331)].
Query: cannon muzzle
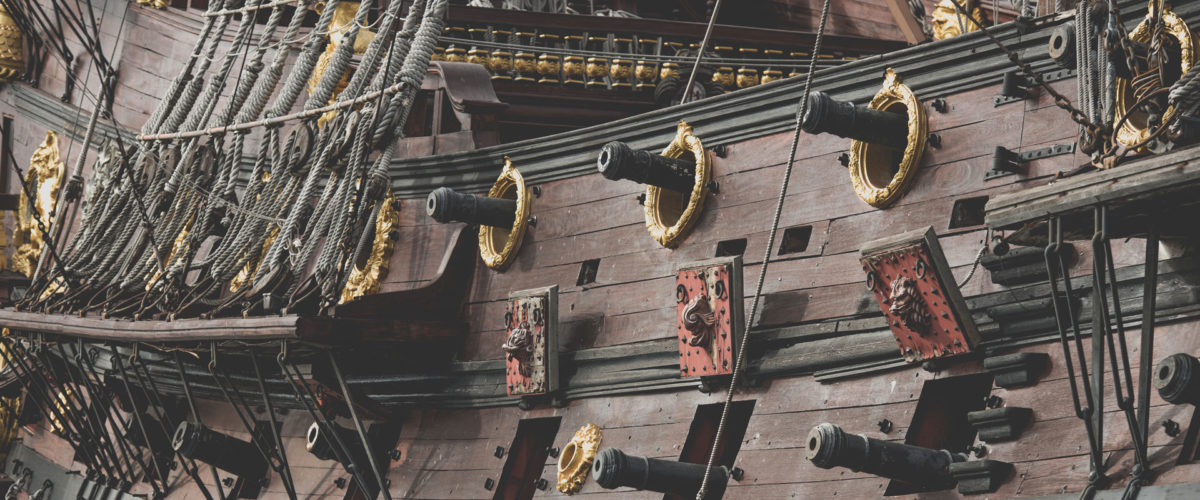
[(829, 447), (614, 469), (619, 161), (322, 444), (843, 119), (447, 205), (224, 452)]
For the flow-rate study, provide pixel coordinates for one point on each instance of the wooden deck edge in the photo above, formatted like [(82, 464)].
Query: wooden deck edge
[(261, 328), (1146, 179)]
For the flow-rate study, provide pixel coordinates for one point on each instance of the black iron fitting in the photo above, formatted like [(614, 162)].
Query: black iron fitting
[(843, 119), (614, 469), (619, 161), (224, 452), (447, 205), (828, 447), (1177, 379)]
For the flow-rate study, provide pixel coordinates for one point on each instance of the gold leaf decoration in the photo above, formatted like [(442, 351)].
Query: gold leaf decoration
[(365, 280), (43, 178), (575, 460)]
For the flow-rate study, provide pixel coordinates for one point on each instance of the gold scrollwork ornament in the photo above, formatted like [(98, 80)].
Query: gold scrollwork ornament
[(365, 280), (575, 461), (667, 223), (498, 246), (871, 165), (1134, 130), (43, 178)]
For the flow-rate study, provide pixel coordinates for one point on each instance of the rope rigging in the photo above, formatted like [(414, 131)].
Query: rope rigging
[(739, 363), (312, 195)]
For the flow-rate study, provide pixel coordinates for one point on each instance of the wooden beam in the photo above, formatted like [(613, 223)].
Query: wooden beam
[(460, 15), (263, 328), (909, 26)]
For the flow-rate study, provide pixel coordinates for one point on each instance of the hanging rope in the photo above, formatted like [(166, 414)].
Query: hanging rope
[(739, 364), (712, 20)]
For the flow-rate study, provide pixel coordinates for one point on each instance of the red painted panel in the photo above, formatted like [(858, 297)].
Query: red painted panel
[(527, 345), (906, 283), (707, 314)]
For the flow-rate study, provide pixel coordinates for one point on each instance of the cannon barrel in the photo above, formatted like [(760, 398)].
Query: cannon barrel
[(321, 444), (1177, 378), (843, 119), (619, 161), (224, 452), (447, 205), (829, 447), (614, 469)]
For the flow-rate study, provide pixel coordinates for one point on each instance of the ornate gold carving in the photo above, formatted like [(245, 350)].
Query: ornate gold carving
[(669, 70), (1135, 130), (747, 77), (478, 56), (251, 268), (343, 19), (10, 410), (724, 76), (548, 67), (573, 70), (664, 219), (771, 75), (178, 251), (43, 178), (498, 246), (365, 279), (871, 165), (575, 460), (12, 63), (501, 61), (456, 54), (157, 4), (948, 23)]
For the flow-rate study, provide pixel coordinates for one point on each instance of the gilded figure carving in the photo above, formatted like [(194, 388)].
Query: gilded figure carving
[(365, 280), (575, 460), (339, 26), (724, 75), (948, 23), (12, 63), (43, 178), (875, 179), (907, 304)]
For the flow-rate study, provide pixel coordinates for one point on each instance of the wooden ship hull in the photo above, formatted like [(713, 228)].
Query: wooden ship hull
[(541, 318)]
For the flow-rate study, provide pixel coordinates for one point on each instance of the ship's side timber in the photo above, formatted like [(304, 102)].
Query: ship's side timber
[(621, 365)]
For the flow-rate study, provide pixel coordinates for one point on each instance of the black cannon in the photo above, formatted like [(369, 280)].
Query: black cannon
[(828, 115), (1177, 378), (829, 447), (614, 469), (227, 453), (619, 161), (447, 205)]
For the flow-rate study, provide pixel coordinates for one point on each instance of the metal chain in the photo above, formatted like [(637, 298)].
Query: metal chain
[(1059, 100), (739, 363)]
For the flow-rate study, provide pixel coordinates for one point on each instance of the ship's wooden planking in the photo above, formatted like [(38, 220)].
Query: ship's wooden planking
[(448, 453)]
